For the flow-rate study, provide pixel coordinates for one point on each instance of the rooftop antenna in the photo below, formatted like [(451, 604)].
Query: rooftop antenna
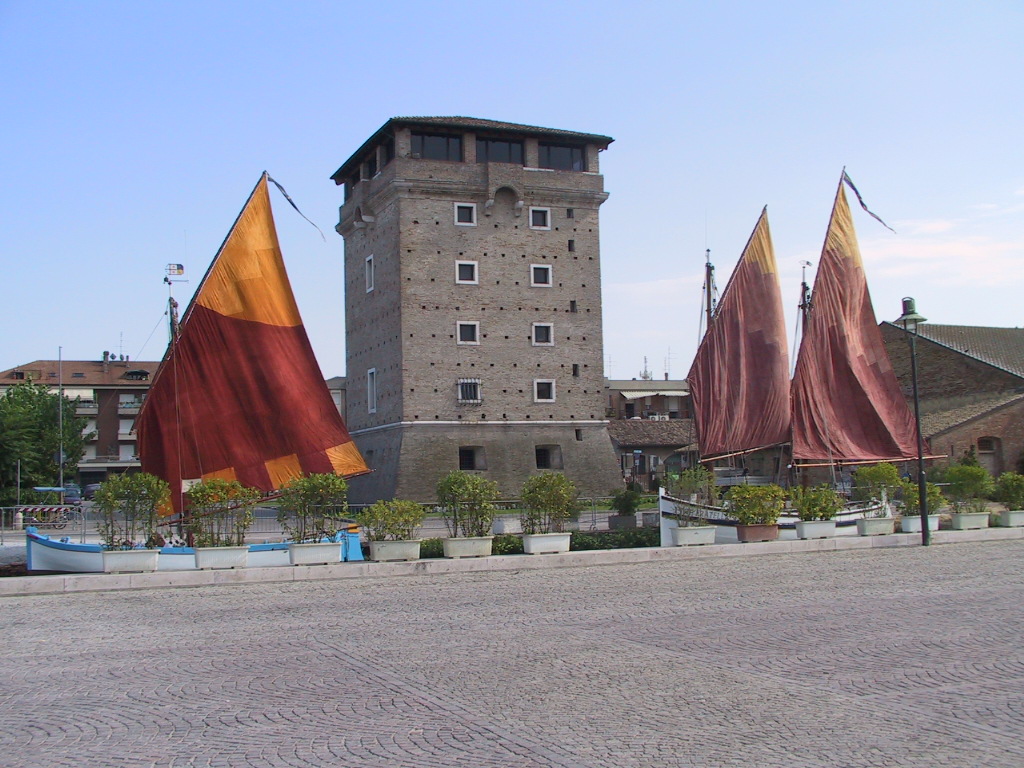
[(172, 275)]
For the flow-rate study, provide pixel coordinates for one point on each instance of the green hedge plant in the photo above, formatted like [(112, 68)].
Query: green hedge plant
[(220, 512), (129, 507), (314, 508), (821, 502), (549, 501), (467, 503), (394, 520), (756, 504)]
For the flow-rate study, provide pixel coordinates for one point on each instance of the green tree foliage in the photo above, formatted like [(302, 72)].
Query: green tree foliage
[(967, 483), (129, 505), (912, 498), (220, 512), (871, 480), (756, 504), (395, 520), (314, 507), (626, 501), (467, 503), (818, 503), (1010, 490), (699, 481), (30, 432), (549, 500)]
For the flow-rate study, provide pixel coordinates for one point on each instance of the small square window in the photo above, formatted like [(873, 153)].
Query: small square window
[(465, 214), (369, 273), (465, 273), (468, 333), (543, 335), (548, 456), (540, 275), (572, 246), (570, 213), (543, 391), (540, 218), (469, 391)]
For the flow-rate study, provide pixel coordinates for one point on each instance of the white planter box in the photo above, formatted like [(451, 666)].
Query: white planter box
[(546, 543), (967, 521), (1013, 518), (875, 526), (385, 551), (504, 525), (471, 546), (815, 529), (692, 536), (912, 523), (129, 560), (314, 553), (221, 557)]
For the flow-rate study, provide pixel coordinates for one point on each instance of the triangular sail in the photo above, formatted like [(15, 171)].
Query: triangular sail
[(739, 380), (239, 394), (847, 404)]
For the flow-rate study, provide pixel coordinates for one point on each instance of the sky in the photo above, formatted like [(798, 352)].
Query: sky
[(132, 133)]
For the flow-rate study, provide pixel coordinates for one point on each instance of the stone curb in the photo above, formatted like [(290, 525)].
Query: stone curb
[(102, 582)]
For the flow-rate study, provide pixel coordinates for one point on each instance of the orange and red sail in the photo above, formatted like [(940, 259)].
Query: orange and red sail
[(739, 380), (847, 403), (240, 395), (844, 403)]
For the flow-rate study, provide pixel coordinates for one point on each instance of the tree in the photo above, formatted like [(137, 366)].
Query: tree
[(467, 503), (313, 508), (30, 432), (549, 499), (129, 505)]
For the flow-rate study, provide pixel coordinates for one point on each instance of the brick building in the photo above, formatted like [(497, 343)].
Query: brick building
[(473, 305), (971, 384)]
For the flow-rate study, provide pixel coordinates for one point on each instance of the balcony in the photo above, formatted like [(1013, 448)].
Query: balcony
[(87, 408), (129, 407)]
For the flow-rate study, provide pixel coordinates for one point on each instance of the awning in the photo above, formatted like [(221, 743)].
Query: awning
[(636, 394)]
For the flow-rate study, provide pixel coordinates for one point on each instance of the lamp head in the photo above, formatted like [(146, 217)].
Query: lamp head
[(910, 319)]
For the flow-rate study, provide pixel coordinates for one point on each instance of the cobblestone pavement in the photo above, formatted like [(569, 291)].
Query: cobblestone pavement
[(884, 657)]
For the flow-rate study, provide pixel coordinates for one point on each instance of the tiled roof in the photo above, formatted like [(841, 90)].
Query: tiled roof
[(941, 419), (467, 123), (677, 433), (1000, 347), (80, 373)]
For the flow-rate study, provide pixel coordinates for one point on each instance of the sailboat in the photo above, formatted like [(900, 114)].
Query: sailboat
[(843, 406), (239, 394)]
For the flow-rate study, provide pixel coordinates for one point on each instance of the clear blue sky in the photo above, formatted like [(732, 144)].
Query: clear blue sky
[(133, 132)]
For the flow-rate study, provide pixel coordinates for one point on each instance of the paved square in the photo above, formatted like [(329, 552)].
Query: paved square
[(884, 657)]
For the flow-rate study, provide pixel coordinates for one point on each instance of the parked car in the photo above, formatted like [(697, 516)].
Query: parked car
[(90, 490), (72, 493)]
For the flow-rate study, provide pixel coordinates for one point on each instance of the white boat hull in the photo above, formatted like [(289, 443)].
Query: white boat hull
[(44, 554)]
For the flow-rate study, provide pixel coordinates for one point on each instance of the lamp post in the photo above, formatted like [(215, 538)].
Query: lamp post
[(910, 320)]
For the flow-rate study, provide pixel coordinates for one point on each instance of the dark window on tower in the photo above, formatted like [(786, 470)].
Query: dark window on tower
[(389, 150), (430, 146), (543, 457), (497, 151), (562, 158)]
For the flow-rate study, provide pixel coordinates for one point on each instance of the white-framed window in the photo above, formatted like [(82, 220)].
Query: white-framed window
[(467, 332), (466, 273), (469, 391), (543, 335), (543, 390), (540, 275), (369, 273), (371, 390), (540, 218), (465, 214)]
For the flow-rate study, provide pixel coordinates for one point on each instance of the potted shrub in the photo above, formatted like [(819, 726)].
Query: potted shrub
[(313, 511), (129, 506), (910, 518), (967, 485), (391, 529), (1010, 493), (219, 514), (625, 502), (696, 484), (817, 508), (756, 509), (877, 483), (549, 501), (467, 505)]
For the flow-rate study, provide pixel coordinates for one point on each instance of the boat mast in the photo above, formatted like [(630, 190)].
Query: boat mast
[(710, 290), (172, 304)]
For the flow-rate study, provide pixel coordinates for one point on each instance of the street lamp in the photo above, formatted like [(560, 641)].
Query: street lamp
[(910, 320)]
